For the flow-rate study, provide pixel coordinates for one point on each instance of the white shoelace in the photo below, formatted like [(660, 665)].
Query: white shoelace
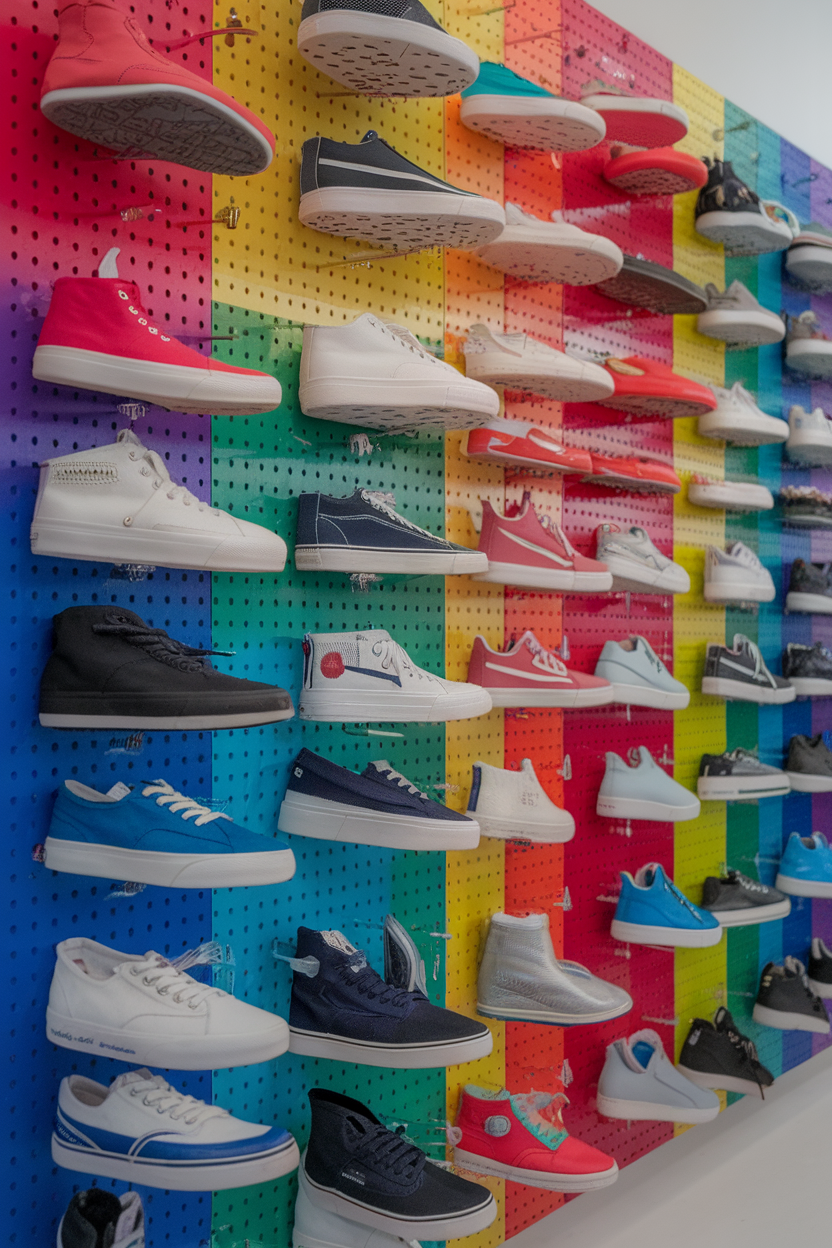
[(546, 658), (745, 555), (403, 335), (390, 773), (385, 504), (390, 654), (179, 804), (159, 1095), (168, 979), (176, 492)]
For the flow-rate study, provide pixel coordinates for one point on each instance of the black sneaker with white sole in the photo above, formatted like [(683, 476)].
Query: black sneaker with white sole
[(809, 764), (738, 901), (808, 669), (367, 190), (820, 969), (729, 212), (786, 1001), (739, 673), (718, 1055), (805, 507), (646, 284), (810, 588), (737, 776)]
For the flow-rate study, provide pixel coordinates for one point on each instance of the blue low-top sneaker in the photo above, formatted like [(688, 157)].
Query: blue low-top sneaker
[(806, 866), (152, 834), (376, 807), (653, 911)]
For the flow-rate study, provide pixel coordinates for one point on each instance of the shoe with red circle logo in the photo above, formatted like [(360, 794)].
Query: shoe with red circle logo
[(520, 442), (527, 674), (657, 171), (646, 388), (634, 473), (523, 550)]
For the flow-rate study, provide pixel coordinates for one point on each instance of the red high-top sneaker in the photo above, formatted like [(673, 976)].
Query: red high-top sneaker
[(522, 552), (528, 674)]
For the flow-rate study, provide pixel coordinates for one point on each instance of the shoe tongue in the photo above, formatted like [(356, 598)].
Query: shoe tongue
[(131, 1076), (127, 435), (723, 1020), (338, 941), (128, 1220), (646, 875)]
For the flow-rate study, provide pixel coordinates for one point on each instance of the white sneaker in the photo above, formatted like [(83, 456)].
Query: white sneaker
[(551, 251), (808, 349), (736, 575), (735, 316), (512, 805), (523, 363), (118, 503), (810, 437), (142, 1008), (638, 676), (737, 418), (376, 374), (355, 677), (644, 791), (316, 1227), (636, 564), (730, 495)]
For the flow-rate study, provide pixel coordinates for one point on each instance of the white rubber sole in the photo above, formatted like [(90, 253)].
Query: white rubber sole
[(742, 430), (803, 888), (536, 1178), (784, 1020), (570, 382), (524, 251), (169, 870), (672, 937), (638, 808), (403, 220), (738, 591), (390, 1056), (750, 918), (812, 356), (805, 782), (743, 691), (811, 686), (646, 1111), (198, 391), (547, 124), (725, 1083), (744, 233), (741, 788), (820, 990), (811, 604), (520, 830), (320, 819), (165, 723), (550, 1018), (752, 329), (812, 266), (102, 543), (358, 707), (560, 582), (658, 699), (384, 404), (736, 496), (565, 699), (418, 563)]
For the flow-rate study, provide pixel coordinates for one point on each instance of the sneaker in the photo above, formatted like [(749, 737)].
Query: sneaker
[(808, 669), (809, 259), (809, 764), (522, 550), (376, 374), (364, 533), (106, 84), (640, 1083), (820, 969), (644, 791), (739, 673), (108, 669), (734, 316), (645, 284), (367, 190), (739, 776), (97, 335), (355, 1167), (316, 1227), (646, 388), (118, 503), (636, 564), (718, 1055), (144, 1008), (521, 363), (384, 49), (806, 866), (155, 835), (521, 1137), (810, 437), (736, 575), (737, 419), (97, 1218), (639, 120), (520, 979), (195, 1147), (657, 171), (808, 348), (550, 251), (729, 495), (404, 966), (343, 1010), (810, 588), (729, 212), (805, 507), (351, 678), (638, 676), (521, 442), (737, 901), (786, 1001), (651, 910), (527, 674), (379, 806), (513, 806), (633, 473), (520, 113)]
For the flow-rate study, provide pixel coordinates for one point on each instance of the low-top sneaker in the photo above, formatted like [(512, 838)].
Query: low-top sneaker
[(717, 1055), (806, 866), (520, 113), (637, 119), (96, 1218), (527, 674), (646, 284), (809, 259), (808, 669), (808, 346), (729, 212), (810, 437), (734, 316), (640, 1083), (643, 791), (739, 776), (806, 507), (736, 575), (551, 251), (531, 550), (810, 588), (820, 968), (729, 495), (739, 673), (514, 806), (519, 362), (737, 419), (646, 388), (636, 563), (638, 676), (656, 171), (786, 1001), (651, 910), (540, 451), (809, 764), (635, 473), (737, 900)]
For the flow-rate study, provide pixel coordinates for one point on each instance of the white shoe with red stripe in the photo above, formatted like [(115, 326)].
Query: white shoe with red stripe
[(528, 674), (504, 441)]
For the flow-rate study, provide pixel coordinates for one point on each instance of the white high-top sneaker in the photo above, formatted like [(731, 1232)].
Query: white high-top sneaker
[(551, 251), (523, 363), (513, 805), (637, 564), (810, 436), (737, 419), (353, 677), (316, 1227), (118, 504), (736, 575)]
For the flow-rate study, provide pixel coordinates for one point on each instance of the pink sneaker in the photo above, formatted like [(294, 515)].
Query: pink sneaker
[(530, 675), (522, 1137), (522, 551), (106, 84), (97, 336)]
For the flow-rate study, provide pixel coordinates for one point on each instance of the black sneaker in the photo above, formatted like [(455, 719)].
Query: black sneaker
[(808, 669), (718, 1055), (809, 764), (646, 284), (738, 775), (97, 1218), (804, 507), (786, 1001), (820, 969), (109, 669), (367, 190), (737, 900), (729, 212), (739, 673), (403, 964), (810, 588), (354, 1166)]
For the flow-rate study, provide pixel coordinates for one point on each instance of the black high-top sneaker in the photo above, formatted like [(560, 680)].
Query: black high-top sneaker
[(809, 764), (786, 1001), (97, 1218), (729, 212), (718, 1055)]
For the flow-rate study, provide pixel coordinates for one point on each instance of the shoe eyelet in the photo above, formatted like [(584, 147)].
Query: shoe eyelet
[(147, 982), (163, 992), (191, 1005), (127, 521), (160, 1110), (133, 971)]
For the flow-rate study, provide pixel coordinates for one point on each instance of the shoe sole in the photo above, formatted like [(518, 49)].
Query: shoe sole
[(589, 1182), (811, 604), (812, 266), (806, 520), (656, 406), (750, 329), (810, 356), (754, 500), (540, 467), (811, 686), (384, 404), (577, 385), (742, 431), (671, 937), (542, 260), (809, 454), (658, 699), (742, 789), (402, 220), (545, 578), (630, 577), (135, 712), (638, 808), (169, 870), (805, 782), (643, 1111), (643, 285), (650, 182), (739, 591), (784, 1020), (634, 485), (723, 1083), (537, 122), (758, 914), (743, 691), (743, 233), (820, 990), (564, 699), (385, 561), (802, 888), (390, 1056), (166, 122), (648, 123), (550, 1018), (633, 585), (324, 820), (102, 543), (517, 830), (358, 707)]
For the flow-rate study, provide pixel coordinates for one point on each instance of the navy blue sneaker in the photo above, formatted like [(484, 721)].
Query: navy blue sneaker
[(377, 807), (364, 533)]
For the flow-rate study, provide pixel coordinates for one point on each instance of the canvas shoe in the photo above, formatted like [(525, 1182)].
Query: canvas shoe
[(739, 776), (729, 495), (522, 550), (145, 1008), (520, 113), (640, 1083), (645, 388), (657, 171), (350, 678), (513, 806), (633, 473), (806, 866), (808, 669), (808, 347), (809, 764), (651, 910), (527, 674), (729, 212), (636, 563), (644, 791), (640, 120), (646, 284), (736, 575), (738, 901), (809, 440), (717, 1055), (521, 1137), (384, 49), (367, 190), (315, 1227), (108, 669), (377, 806), (739, 673), (810, 588), (820, 969), (786, 1001), (404, 966), (97, 1218), (522, 442), (736, 418), (355, 1167), (809, 259), (97, 335), (805, 507), (550, 251), (364, 533), (638, 676), (106, 84), (519, 362), (734, 316), (521, 980)]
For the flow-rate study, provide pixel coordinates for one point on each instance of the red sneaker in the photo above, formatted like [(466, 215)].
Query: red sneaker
[(638, 120), (660, 171), (521, 551), (530, 675), (522, 1137), (97, 336), (630, 472), (645, 388), (106, 84), (520, 442)]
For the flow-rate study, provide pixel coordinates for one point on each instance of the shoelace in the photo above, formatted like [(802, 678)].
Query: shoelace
[(390, 653), (168, 979), (740, 755), (159, 1095), (358, 974), (156, 643), (745, 555), (557, 532), (178, 804), (760, 669), (747, 1051), (387, 775), (752, 886), (175, 492), (546, 658), (388, 1151), (403, 335), (384, 504)]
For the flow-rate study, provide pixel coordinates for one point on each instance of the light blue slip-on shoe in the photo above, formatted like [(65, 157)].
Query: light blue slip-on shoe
[(643, 792), (638, 676), (639, 1082)]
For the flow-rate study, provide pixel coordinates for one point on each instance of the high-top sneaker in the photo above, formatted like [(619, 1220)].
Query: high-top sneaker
[(786, 1001), (808, 669), (809, 764), (513, 805), (100, 1219), (523, 550), (639, 1082), (527, 674), (729, 212), (718, 1055), (810, 588)]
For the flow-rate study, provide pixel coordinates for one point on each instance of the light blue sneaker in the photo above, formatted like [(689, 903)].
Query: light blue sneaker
[(154, 835), (513, 110), (640, 1083), (653, 911), (638, 676), (643, 792), (806, 866)]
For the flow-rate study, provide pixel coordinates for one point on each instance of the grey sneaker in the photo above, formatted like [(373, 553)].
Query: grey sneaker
[(739, 776), (638, 1082), (717, 1055), (810, 588), (646, 284), (636, 564), (809, 764), (520, 978), (805, 507), (786, 1001), (738, 901), (808, 669), (735, 316), (740, 674), (808, 349)]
